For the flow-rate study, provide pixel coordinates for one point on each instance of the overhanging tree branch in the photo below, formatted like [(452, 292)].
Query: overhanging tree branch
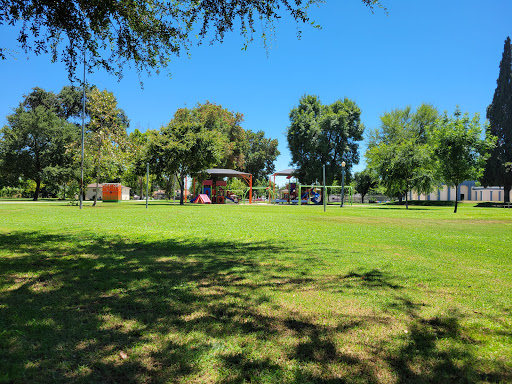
[(145, 34)]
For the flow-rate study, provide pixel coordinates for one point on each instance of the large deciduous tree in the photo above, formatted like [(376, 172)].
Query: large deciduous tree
[(136, 161), (459, 150), (498, 170), (214, 117), (400, 152), (324, 135), (144, 34), (33, 144), (183, 147), (260, 154), (242, 150), (106, 135)]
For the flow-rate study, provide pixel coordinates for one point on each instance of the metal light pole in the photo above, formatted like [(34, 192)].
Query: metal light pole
[(147, 184), (83, 134), (342, 183)]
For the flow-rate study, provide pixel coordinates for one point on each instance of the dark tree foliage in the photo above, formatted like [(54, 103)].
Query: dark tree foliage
[(67, 104), (498, 169), (183, 147), (145, 33), (324, 135), (33, 144), (214, 117), (260, 155), (134, 175), (365, 181)]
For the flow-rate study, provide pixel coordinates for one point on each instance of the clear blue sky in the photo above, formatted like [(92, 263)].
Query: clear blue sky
[(442, 52)]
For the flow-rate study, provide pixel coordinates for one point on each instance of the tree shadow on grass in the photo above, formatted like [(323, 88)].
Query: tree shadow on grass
[(86, 308), (439, 350), (104, 309), (97, 308), (372, 279)]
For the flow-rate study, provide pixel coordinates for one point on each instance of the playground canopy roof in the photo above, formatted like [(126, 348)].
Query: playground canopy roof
[(287, 172), (226, 172)]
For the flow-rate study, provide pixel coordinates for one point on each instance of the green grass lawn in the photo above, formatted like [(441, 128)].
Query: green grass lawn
[(263, 294)]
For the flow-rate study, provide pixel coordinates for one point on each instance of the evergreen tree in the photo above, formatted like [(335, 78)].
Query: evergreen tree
[(33, 147), (498, 169)]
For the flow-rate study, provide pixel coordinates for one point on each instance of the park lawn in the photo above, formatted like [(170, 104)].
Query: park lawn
[(264, 294)]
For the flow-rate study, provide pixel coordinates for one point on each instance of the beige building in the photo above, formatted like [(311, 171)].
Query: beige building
[(467, 191)]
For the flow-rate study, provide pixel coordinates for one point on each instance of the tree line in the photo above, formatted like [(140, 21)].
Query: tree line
[(40, 144), (418, 150), (421, 149), (412, 149)]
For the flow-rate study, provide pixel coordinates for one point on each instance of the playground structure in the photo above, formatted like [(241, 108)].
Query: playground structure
[(291, 195), (216, 191), (349, 195), (307, 193), (289, 173), (311, 194)]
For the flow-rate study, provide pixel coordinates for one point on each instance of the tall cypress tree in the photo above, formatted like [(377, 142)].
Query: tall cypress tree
[(498, 169)]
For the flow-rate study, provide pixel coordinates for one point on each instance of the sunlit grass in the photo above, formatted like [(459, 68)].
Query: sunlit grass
[(226, 294)]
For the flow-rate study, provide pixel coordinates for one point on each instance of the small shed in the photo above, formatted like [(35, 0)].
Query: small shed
[(112, 192)]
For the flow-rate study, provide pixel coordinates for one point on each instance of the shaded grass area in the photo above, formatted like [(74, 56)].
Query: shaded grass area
[(121, 295)]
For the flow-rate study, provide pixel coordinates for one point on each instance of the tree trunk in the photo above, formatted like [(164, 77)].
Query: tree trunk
[(38, 188), (182, 188), (406, 201), (456, 198), (506, 193), (362, 198), (97, 171), (96, 193)]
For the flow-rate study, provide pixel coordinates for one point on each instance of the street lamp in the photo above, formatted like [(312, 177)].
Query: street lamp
[(342, 182)]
